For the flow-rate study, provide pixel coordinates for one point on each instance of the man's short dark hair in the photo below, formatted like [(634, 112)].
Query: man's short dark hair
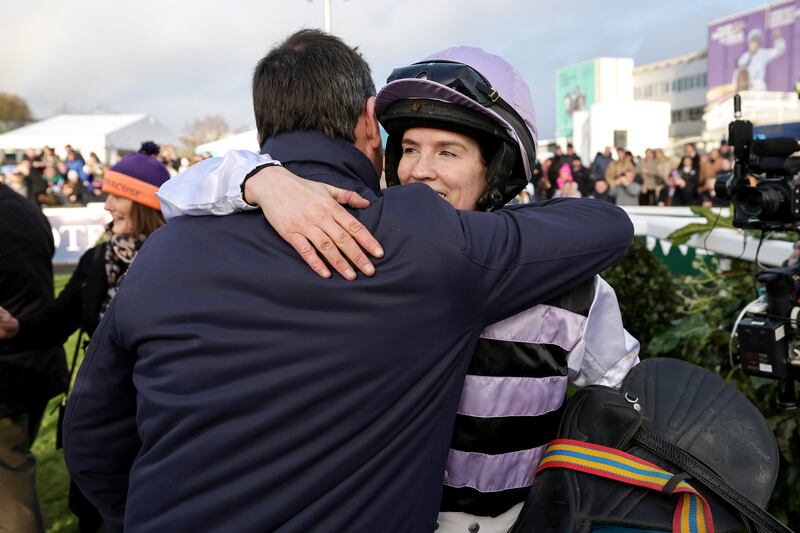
[(312, 81)]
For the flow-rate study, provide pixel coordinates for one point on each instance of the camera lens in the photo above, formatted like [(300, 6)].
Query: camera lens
[(759, 202)]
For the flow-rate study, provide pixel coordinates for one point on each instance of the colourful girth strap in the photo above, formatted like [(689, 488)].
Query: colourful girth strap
[(692, 515)]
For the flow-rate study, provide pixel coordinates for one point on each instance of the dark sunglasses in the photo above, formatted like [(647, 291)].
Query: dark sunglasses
[(457, 76)]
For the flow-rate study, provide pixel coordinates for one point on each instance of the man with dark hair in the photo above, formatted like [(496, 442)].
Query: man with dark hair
[(556, 162), (570, 156), (27, 379), (333, 113), (229, 388), (620, 166), (581, 176)]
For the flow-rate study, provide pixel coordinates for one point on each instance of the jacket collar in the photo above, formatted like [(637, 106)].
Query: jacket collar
[(320, 158)]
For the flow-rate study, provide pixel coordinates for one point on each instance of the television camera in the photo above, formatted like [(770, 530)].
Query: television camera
[(764, 190)]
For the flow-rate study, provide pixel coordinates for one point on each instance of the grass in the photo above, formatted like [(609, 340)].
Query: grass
[(52, 477)]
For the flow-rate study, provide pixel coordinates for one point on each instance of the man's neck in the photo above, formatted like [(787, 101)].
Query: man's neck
[(336, 157)]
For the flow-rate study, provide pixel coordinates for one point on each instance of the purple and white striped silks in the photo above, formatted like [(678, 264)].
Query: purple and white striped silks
[(492, 473), (601, 351), (541, 324), (490, 397)]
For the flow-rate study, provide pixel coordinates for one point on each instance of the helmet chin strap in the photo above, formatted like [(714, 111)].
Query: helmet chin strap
[(498, 190), (392, 159)]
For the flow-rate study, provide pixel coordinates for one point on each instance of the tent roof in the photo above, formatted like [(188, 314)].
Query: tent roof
[(90, 132), (78, 125)]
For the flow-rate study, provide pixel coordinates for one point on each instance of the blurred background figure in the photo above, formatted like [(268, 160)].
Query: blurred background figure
[(600, 164), (626, 188), (135, 212), (602, 191), (648, 169), (690, 178), (674, 192), (28, 378)]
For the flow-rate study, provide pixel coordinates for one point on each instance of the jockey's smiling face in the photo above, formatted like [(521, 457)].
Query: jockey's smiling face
[(448, 162)]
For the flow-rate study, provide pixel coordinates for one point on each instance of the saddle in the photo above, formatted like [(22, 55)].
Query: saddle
[(695, 428)]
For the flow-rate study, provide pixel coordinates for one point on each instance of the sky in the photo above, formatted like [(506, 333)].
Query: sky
[(182, 60)]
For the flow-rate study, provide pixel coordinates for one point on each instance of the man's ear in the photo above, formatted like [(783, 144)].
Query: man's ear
[(371, 122)]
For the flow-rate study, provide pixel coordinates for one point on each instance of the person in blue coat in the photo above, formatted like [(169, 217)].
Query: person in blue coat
[(223, 390)]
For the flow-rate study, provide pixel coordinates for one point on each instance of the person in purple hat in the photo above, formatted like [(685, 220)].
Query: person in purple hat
[(462, 122), (134, 207)]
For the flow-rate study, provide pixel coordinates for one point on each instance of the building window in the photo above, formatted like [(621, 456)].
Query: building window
[(695, 113), (690, 114)]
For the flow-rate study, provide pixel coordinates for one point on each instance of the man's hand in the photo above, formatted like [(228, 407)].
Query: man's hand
[(308, 216), (9, 326)]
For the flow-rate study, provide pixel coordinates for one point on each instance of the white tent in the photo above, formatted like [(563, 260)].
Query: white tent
[(247, 140), (105, 135)]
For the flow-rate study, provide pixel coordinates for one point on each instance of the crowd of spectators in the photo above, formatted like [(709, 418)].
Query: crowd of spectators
[(75, 180), (653, 179)]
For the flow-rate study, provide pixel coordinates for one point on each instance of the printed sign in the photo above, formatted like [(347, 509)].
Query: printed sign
[(755, 51), (575, 91), (75, 230)]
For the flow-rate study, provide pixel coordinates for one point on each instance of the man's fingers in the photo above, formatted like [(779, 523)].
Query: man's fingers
[(325, 245), (309, 255), (358, 231), (349, 246)]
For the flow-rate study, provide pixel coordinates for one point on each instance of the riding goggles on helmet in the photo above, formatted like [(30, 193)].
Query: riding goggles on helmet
[(457, 76)]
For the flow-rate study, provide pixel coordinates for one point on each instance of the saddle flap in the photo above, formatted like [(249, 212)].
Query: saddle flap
[(709, 418), (600, 415), (680, 403)]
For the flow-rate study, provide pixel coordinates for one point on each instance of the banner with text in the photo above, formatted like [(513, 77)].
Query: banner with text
[(756, 51), (75, 230)]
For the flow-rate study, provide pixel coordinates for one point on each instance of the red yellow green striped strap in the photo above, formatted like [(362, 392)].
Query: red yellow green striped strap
[(692, 515)]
